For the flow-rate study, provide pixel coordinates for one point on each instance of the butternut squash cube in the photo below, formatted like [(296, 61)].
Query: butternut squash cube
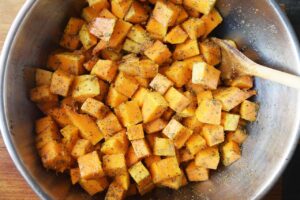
[(105, 13), (61, 83), (120, 7), (71, 135), (230, 97), (45, 123), (130, 64), (155, 126), (195, 173), (85, 86), (42, 77), (54, 156), (231, 152), (87, 127), (179, 73), (151, 159), (135, 132), (155, 29), (42, 94), (126, 84), (176, 36), (114, 145), (158, 52), (205, 75), (165, 13), (105, 69), (115, 98), (114, 165), (129, 113), (138, 34), (165, 169), (145, 189), (98, 5), (140, 174), (87, 39), (194, 27), (174, 183), (94, 186), (154, 106), (81, 148), (147, 68), (75, 175), (161, 84), (109, 125), (131, 157), (242, 82), (176, 100), (102, 28), (238, 136), (69, 41), (168, 114), (119, 33), (202, 6), (213, 134), (195, 143), (186, 50), (177, 132), (45, 107), (115, 192), (45, 137), (182, 16), (249, 110), (136, 13), (60, 116), (230, 121), (208, 158), (185, 155), (123, 180), (89, 14), (141, 148), (163, 147), (132, 46), (71, 63), (211, 20), (211, 52), (90, 166), (74, 25), (140, 95), (193, 123), (209, 111), (94, 108)]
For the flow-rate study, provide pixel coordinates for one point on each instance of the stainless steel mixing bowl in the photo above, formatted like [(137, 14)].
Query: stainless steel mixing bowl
[(260, 29)]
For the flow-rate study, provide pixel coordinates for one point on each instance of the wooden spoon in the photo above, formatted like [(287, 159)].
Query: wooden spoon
[(235, 62)]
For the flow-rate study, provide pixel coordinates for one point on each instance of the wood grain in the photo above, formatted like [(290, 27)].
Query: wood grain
[(12, 184)]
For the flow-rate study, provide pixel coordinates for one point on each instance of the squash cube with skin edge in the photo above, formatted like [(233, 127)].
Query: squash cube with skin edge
[(126, 84), (114, 165), (185, 155), (129, 113), (238, 136), (165, 13), (161, 84), (154, 106), (202, 6), (115, 98), (155, 29), (209, 111), (54, 156), (135, 132), (140, 174), (98, 5), (177, 132), (42, 77), (213, 134), (90, 166), (131, 157), (186, 50), (136, 13), (61, 83), (205, 75), (140, 95), (194, 27), (132, 46), (81, 147), (102, 28), (179, 73), (115, 192), (211, 52), (176, 100), (94, 108), (75, 175), (87, 127), (119, 33), (195, 143), (163, 147), (42, 94), (155, 126), (109, 125), (151, 159), (230, 121), (176, 36), (208, 158), (165, 169), (120, 7), (123, 180), (141, 148), (158, 52), (211, 20), (85, 86), (71, 63), (249, 110), (195, 173), (147, 68), (231, 152), (45, 123), (93, 186), (105, 69)]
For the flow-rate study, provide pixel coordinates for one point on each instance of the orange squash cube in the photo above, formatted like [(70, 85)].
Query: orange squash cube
[(208, 158), (154, 106), (136, 13), (194, 27), (213, 134), (155, 29), (61, 83), (158, 52), (109, 125), (115, 98), (126, 84), (195, 173), (186, 50)]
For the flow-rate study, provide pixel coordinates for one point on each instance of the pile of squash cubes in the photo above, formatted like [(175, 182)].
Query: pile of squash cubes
[(134, 99)]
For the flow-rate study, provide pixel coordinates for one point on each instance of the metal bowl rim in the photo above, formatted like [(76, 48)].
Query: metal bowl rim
[(8, 141)]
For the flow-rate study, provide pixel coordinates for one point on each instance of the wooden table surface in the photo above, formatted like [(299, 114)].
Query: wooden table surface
[(12, 184)]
